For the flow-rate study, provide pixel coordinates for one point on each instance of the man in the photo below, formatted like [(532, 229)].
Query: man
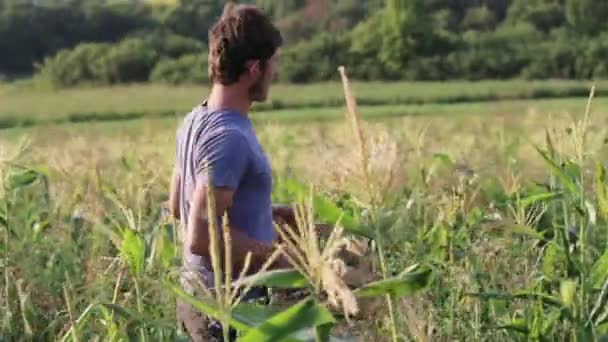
[(243, 48)]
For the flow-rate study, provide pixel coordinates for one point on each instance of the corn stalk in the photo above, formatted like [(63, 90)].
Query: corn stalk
[(355, 119)]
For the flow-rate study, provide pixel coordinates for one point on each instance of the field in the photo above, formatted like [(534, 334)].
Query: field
[(495, 190)]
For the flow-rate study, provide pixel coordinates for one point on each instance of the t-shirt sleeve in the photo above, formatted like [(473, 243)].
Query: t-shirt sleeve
[(225, 155)]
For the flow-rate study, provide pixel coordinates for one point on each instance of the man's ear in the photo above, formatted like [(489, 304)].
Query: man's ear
[(254, 68)]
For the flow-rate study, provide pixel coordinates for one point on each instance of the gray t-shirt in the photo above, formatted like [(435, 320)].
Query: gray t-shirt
[(227, 142)]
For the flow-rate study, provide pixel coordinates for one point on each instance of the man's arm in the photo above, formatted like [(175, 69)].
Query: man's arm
[(283, 213), (175, 194), (197, 238)]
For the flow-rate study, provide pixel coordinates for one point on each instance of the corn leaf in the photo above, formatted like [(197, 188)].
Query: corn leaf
[(549, 321), (133, 250), (541, 197), (599, 271), (516, 328), (328, 211), (278, 279), (525, 230), (17, 180), (305, 314), (557, 171), (310, 335), (254, 314), (525, 295), (567, 291), (600, 190), (132, 317), (208, 308), (552, 259), (400, 286)]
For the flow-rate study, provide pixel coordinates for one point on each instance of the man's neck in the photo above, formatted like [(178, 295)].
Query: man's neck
[(229, 97)]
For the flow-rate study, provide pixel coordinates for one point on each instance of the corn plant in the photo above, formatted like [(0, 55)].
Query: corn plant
[(569, 300), (314, 268)]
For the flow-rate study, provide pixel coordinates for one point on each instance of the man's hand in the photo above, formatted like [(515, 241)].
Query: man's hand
[(283, 213)]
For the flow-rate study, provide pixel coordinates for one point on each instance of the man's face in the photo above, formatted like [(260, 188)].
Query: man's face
[(258, 91)]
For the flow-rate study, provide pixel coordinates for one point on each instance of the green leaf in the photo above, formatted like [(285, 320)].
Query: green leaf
[(564, 179), (541, 197), (3, 220), (278, 279), (399, 286), (438, 238), (133, 250), (526, 230), (443, 159), (254, 314), (323, 332), (525, 295), (327, 210), (310, 335), (516, 328), (599, 271), (117, 309), (591, 212), (208, 308), (567, 291), (552, 259), (600, 190), (17, 180), (572, 170), (549, 321), (80, 322), (133, 317), (303, 315), (543, 297)]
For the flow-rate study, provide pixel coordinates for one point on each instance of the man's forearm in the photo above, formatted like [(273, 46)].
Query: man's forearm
[(241, 244)]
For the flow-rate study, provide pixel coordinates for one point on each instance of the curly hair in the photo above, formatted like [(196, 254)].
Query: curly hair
[(243, 33)]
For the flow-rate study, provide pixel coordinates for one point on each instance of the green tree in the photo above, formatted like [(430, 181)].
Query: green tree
[(193, 18), (587, 16), (545, 15)]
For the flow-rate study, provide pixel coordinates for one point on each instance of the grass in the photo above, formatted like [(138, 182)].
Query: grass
[(21, 102), (515, 237), (506, 107)]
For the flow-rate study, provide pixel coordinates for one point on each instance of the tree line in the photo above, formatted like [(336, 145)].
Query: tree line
[(72, 42)]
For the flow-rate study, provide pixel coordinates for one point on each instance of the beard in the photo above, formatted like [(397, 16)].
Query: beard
[(258, 91)]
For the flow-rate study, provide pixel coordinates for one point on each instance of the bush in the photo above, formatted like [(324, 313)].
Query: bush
[(314, 60), (72, 67), (100, 64), (33, 30), (129, 61), (168, 44), (191, 68)]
